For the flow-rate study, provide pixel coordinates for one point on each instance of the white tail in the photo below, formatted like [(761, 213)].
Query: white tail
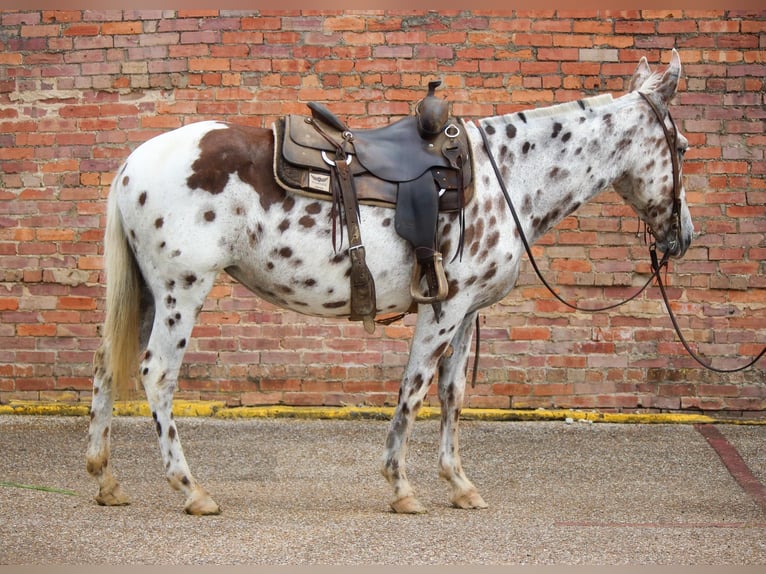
[(123, 298)]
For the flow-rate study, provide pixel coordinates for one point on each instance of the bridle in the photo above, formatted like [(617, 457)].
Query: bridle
[(671, 138)]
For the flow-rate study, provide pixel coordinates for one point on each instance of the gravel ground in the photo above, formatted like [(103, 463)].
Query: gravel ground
[(309, 492)]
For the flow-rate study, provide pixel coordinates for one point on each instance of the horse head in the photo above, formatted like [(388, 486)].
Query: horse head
[(653, 183)]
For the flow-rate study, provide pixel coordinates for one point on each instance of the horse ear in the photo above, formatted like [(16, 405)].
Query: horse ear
[(639, 76), (666, 89)]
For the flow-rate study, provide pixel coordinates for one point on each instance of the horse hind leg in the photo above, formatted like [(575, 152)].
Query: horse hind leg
[(451, 392), (173, 324), (98, 462)]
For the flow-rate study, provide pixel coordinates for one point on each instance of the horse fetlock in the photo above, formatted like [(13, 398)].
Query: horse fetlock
[(183, 482), (96, 466)]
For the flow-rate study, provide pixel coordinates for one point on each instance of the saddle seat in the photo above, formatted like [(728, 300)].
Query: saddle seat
[(419, 166)]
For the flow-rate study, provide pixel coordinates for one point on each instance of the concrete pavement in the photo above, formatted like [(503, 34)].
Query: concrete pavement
[(308, 491)]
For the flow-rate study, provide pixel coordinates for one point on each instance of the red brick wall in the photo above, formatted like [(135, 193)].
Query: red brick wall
[(80, 89)]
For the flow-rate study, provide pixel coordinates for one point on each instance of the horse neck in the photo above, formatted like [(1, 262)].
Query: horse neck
[(553, 165)]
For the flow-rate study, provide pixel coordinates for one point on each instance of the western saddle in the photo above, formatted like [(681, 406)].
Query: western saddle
[(419, 166)]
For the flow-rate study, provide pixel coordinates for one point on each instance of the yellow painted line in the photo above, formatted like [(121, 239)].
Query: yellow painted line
[(121, 408), (32, 408), (564, 414), (180, 408), (218, 409)]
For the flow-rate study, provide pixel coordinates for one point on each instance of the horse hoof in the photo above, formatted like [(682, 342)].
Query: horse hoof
[(202, 505), (469, 500), (113, 497), (408, 505)]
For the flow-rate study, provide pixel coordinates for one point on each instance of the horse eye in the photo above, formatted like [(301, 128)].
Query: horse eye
[(682, 150)]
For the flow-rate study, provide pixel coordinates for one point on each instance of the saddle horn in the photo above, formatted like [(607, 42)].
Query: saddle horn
[(432, 112)]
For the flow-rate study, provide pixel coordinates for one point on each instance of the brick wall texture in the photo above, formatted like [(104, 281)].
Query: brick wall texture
[(80, 89)]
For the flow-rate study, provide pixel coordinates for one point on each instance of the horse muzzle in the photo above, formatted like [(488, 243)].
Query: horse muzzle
[(676, 241)]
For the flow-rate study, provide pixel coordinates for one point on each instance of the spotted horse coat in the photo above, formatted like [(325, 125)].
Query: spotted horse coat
[(202, 199)]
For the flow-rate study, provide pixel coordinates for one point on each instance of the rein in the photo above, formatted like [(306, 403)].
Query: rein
[(656, 266), (528, 249)]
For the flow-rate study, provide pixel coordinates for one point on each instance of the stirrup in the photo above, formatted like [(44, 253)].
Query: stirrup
[(441, 282)]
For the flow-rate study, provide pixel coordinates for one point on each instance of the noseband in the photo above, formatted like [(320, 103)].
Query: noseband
[(671, 137)]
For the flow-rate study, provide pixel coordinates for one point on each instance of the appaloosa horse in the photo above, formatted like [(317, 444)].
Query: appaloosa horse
[(202, 199)]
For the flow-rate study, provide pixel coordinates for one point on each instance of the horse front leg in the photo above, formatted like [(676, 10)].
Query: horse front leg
[(430, 342), (452, 374)]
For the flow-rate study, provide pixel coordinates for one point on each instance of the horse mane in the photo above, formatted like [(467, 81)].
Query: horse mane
[(569, 107)]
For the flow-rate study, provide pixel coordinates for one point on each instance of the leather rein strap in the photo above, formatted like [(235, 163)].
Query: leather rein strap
[(656, 266), (528, 249)]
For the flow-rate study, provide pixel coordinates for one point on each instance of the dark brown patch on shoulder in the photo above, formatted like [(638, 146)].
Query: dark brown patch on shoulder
[(557, 173), (454, 289), (440, 350), (623, 144), (288, 203), (209, 216), (159, 222), (526, 205), (125, 180), (244, 150), (142, 198)]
